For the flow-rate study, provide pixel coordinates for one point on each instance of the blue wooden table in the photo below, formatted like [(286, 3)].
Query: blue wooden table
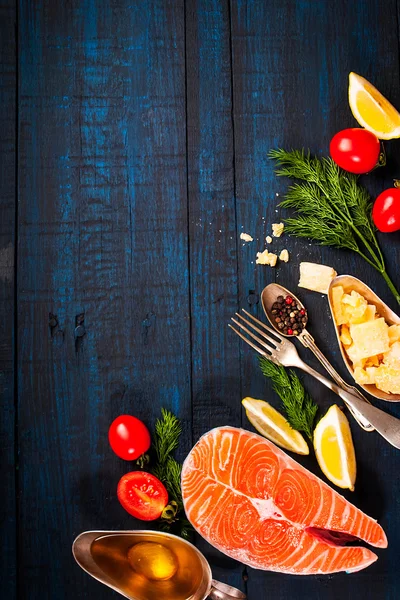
[(134, 140)]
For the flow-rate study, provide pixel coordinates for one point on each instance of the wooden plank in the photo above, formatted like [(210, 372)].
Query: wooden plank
[(103, 283), (290, 67), (212, 227), (8, 115)]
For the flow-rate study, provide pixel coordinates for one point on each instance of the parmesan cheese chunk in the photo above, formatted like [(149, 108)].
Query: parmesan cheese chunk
[(266, 258), (392, 358), (363, 377), (246, 237), (284, 256), (277, 229), (387, 379), (394, 334), (337, 295), (369, 339), (316, 277), (268, 239)]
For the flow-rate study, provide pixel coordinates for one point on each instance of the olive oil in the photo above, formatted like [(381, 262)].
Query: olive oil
[(153, 560), (151, 567)]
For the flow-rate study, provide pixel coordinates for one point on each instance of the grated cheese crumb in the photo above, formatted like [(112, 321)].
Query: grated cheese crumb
[(284, 256), (246, 237), (269, 239), (266, 258), (277, 229)]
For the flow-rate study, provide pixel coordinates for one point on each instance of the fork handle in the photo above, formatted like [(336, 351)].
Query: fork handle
[(308, 341), (385, 424)]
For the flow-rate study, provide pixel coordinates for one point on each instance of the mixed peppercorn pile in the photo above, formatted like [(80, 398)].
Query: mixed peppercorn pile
[(289, 317)]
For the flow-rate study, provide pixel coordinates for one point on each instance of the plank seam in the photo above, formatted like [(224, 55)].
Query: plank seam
[(15, 316), (188, 223), (234, 174), (234, 170), (245, 574)]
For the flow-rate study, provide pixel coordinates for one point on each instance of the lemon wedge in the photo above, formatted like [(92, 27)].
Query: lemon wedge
[(372, 110), (334, 448), (272, 425)]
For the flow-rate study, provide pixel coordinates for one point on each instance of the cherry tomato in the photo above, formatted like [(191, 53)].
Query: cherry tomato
[(355, 150), (386, 210), (142, 495), (128, 437)]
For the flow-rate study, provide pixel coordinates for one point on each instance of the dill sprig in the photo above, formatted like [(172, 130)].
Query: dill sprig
[(167, 433), (300, 408), (166, 439), (331, 207)]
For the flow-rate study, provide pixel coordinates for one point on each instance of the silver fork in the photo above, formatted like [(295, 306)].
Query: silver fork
[(283, 352)]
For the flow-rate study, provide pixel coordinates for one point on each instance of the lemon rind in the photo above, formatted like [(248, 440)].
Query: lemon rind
[(297, 445), (354, 87), (333, 417)]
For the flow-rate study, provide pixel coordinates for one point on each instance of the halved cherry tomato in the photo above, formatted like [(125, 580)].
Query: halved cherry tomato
[(386, 210), (355, 150), (129, 437), (142, 495)]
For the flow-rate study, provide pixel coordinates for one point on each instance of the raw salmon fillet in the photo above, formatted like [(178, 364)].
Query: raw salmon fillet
[(251, 501)]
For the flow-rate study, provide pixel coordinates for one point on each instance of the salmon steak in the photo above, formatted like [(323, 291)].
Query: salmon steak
[(251, 501)]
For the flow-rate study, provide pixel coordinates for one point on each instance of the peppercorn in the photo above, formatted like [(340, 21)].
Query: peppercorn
[(290, 317)]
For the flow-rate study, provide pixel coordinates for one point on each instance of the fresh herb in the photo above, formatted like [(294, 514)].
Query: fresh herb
[(331, 207), (167, 434), (166, 439), (300, 408)]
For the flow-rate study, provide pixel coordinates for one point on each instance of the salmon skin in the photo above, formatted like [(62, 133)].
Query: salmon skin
[(251, 501)]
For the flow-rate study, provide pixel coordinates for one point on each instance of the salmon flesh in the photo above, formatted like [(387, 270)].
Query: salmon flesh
[(254, 503)]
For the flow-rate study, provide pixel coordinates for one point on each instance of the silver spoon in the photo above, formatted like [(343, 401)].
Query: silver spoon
[(103, 555), (268, 297)]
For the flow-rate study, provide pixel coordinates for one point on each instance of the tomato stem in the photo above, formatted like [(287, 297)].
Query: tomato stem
[(170, 511), (143, 460), (382, 157)]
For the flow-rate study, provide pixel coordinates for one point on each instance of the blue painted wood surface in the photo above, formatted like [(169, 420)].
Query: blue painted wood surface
[(143, 129), (8, 112)]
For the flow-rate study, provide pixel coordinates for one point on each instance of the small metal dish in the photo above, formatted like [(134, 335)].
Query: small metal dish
[(350, 283), (103, 555)]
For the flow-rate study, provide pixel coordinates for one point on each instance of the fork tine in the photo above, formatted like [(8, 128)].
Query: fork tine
[(249, 342), (262, 333), (269, 329), (251, 334)]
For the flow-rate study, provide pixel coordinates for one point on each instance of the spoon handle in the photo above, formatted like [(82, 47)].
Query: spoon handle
[(385, 424), (308, 342)]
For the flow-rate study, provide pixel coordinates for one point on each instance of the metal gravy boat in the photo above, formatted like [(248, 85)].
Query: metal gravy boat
[(103, 555)]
